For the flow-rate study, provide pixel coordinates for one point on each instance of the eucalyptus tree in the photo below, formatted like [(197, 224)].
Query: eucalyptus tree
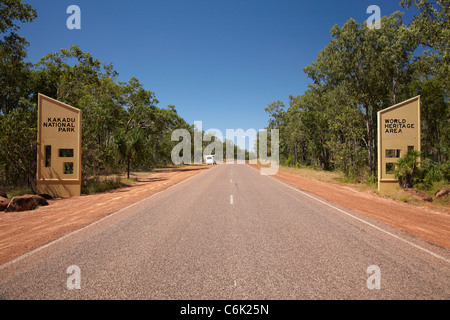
[(431, 29), (14, 11), (17, 114), (129, 144), (14, 71), (371, 64)]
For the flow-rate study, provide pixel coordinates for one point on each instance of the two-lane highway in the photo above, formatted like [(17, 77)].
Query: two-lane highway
[(230, 233)]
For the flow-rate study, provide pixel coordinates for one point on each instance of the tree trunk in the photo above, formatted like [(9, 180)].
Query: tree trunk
[(31, 183), (369, 140), (128, 167), (374, 141)]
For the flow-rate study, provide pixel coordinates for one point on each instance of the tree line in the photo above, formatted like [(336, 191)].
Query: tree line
[(333, 124), (123, 127)]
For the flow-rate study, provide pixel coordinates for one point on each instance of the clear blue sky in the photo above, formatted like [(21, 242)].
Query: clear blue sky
[(218, 61)]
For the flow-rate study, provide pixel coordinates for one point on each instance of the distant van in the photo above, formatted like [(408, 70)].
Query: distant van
[(210, 160)]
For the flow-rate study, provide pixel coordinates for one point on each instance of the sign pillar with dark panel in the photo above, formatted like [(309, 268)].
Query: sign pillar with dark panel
[(398, 133), (59, 148)]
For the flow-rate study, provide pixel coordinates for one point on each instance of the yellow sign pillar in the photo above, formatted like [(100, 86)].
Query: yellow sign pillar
[(398, 133), (59, 148)]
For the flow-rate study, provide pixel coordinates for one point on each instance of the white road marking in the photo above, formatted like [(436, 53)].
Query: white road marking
[(363, 221), (231, 199), (30, 253)]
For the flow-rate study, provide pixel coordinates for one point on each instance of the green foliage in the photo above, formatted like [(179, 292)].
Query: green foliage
[(435, 114), (288, 161), (362, 70), (372, 180), (95, 185), (333, 125), (18, 147), (123, 129), (129, 145), (411, 172), (445, 169), (12, 11), (408, 170), (431, 171), (431, 29)]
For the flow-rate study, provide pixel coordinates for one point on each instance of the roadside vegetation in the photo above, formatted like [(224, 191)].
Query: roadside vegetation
[(413, 196), (124, 128), (333, 125)]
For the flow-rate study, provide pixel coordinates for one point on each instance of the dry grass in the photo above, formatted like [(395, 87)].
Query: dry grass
[(331, 177), (441, 204)]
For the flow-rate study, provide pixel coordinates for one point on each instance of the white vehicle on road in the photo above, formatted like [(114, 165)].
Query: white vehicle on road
[(210, 160)]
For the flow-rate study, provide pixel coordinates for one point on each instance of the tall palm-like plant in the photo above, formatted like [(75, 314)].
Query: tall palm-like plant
[(129, 145), (408, 171)]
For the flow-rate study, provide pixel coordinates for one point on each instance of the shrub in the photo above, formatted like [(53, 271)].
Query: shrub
[(445, 169), (372, 180), (408, 171), (289, 161), (411, 172), (96, 185)]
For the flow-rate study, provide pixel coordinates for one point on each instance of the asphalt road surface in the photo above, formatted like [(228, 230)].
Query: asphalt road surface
[(231, 234)]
